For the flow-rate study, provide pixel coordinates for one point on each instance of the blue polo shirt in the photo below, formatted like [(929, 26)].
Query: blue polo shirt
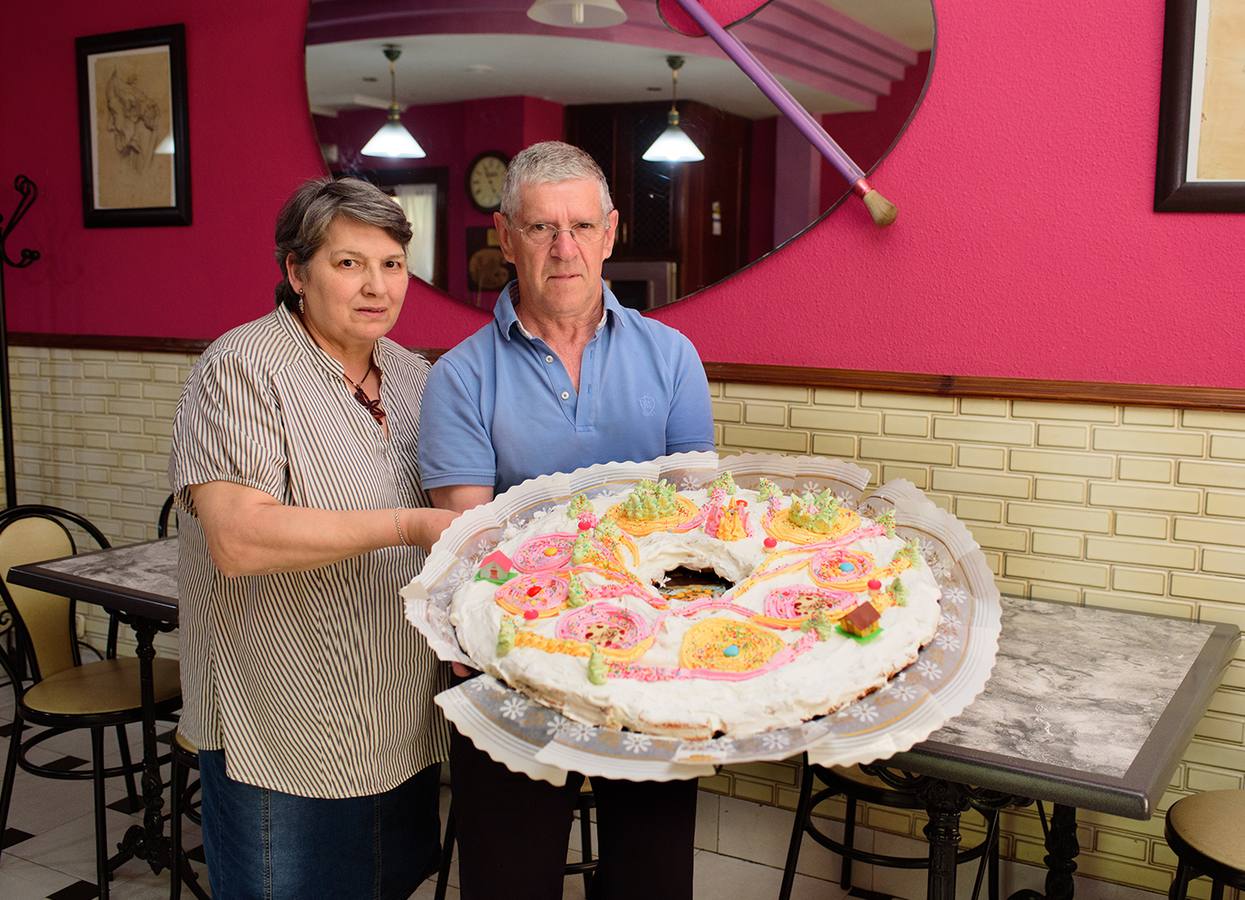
[(499, 408)]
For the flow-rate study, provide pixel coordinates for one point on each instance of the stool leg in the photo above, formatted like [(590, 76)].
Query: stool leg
[(585, 842), (1180, 884), (101, 828), (797, 832), (10, 771), (176, 789), (123, 748), (849, 843), (1216, 890)]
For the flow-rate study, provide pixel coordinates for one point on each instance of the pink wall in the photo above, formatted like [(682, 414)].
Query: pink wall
[(1025, 244)]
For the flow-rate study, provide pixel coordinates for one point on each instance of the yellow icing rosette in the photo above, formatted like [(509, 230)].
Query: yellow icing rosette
[(727, 645)]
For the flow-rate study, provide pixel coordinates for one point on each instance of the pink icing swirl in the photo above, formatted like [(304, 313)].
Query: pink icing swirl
[(548, 551), (798, 601), (605, 624)]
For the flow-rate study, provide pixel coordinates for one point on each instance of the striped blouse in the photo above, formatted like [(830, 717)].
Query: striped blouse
[(312, 682)]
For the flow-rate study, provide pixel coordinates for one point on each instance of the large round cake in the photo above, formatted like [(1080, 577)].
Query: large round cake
[(824, 606)]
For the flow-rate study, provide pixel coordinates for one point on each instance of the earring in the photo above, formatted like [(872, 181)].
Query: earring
[(300, 303)]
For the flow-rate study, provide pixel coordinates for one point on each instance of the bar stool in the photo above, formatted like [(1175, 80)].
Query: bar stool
[(181, 802), (1204, 833), (857, 786)]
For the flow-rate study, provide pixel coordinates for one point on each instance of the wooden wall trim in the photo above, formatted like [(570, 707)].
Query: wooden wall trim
[(984, 386), (842, 379)]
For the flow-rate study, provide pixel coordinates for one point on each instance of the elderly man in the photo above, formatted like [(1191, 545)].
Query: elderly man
[(563, 377)]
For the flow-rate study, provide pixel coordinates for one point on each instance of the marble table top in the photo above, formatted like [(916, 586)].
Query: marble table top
[(1086, 706)]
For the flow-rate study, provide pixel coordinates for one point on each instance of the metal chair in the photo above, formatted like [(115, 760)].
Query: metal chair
[(63, 692), (162, 520), (1204, 831), (861, 784)]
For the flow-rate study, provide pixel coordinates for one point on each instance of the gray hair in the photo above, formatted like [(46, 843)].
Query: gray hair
[(306, 216), (546, 163)]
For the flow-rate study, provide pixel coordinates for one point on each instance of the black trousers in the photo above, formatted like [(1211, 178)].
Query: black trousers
[(512, 832)]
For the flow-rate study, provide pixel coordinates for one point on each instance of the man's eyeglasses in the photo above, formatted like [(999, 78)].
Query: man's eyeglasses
[(586, 234)]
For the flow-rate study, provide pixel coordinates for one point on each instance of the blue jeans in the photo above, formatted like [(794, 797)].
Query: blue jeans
[(266, 844)]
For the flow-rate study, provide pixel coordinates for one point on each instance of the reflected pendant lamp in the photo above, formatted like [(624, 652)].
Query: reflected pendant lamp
[(392, 140), (577, 13), (673, 145)]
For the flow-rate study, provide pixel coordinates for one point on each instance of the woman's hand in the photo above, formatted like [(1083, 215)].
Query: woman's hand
[(424, 526)]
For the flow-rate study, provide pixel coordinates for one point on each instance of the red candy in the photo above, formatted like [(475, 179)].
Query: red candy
[(875, 585), (530, 614), (584, 525), (533, 591), (770, 543)]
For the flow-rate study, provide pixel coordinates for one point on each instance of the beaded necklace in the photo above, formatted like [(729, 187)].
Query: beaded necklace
[(372, 406)]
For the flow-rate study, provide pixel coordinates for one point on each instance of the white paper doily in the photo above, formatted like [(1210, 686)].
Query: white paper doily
[(541, 743)]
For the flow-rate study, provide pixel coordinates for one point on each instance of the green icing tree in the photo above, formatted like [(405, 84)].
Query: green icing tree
[(596, 667), (576, 596), (651, 500), (767, 489), (505, 636), (815, 512), (578, 506)]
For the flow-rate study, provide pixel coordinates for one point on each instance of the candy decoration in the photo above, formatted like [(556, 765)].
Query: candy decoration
[(530, 614), (732, 650), (770, 543), (875, 585)]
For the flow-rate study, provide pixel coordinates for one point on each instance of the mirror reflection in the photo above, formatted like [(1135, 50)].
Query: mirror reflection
[(475, 81)]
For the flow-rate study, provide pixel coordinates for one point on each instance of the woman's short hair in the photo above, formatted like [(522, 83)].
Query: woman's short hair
[(546, 163), (306, 216)]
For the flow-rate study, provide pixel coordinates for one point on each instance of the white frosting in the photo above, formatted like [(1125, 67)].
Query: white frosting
[(833, 672)]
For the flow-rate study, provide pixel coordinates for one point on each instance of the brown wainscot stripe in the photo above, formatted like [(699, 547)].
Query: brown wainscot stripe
[(1181, 396)]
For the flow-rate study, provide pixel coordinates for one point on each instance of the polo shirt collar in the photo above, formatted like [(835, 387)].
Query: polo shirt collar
[(507, 318)]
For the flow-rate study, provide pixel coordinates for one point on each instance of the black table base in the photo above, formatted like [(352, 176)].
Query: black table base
[(945, 801), (147, 841)]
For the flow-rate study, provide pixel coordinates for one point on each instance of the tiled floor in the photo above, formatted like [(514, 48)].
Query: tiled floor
[(49, 847), (741, 846)]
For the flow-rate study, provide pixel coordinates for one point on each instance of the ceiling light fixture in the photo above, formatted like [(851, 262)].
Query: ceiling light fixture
[(577, 13), (673, 144), (392, 140)]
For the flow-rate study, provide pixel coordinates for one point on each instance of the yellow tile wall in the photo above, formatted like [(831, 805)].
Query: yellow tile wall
[(1123, 507), (1126, 507)]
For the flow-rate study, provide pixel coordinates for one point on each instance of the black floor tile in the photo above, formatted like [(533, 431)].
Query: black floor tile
[(127, 806), (66, 764), (79, 890), (12, 837)]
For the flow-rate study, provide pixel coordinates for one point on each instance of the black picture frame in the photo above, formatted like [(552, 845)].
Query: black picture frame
[(133, 124), (1173, 191)]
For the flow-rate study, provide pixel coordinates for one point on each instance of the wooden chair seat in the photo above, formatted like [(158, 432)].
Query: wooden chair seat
[(1204, 831), (109, 687)]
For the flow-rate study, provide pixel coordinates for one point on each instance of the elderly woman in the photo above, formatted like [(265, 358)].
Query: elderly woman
[(293, 459)]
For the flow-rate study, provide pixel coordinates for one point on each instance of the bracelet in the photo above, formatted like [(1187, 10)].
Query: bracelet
[(397, 523)]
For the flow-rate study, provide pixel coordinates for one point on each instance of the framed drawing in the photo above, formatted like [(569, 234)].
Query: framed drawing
[(1201, 152), (132, 122)]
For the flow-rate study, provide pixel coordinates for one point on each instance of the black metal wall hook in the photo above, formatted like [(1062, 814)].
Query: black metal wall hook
[(29, 193)]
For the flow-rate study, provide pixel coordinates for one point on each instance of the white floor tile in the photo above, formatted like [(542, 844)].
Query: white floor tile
[(707, 810), (725, 876), (21, 879), (763, 833)]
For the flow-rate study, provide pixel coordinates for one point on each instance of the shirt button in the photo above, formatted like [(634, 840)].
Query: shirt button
[(548, 358), (566, 395)]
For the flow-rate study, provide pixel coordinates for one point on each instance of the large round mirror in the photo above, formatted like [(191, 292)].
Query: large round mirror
[(475, 81)]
